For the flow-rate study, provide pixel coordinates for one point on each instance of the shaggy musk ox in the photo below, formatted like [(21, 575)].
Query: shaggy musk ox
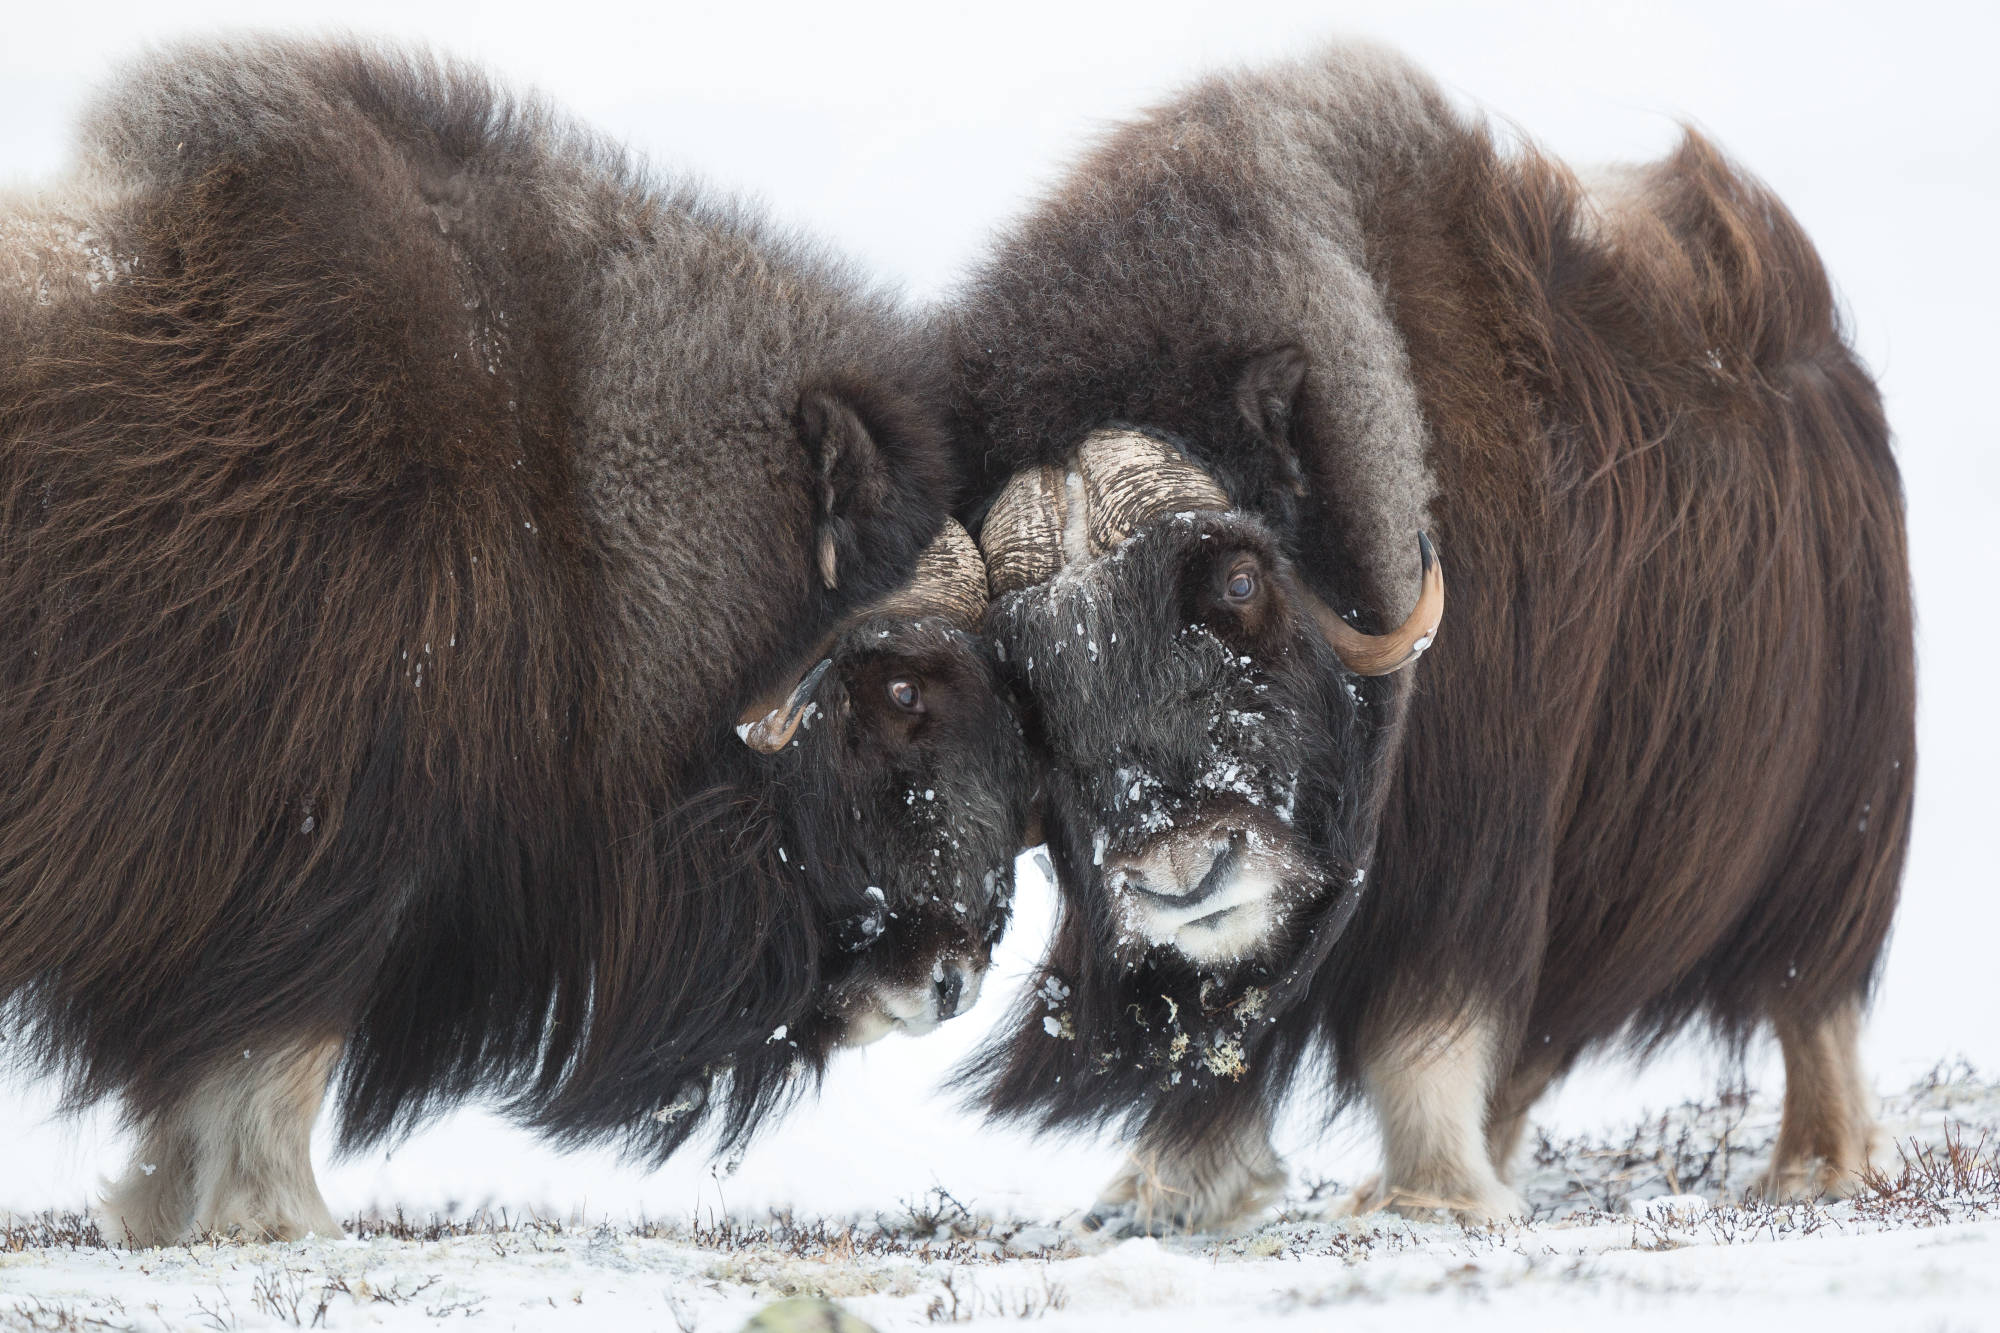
[(402, 498), (1656, 770)]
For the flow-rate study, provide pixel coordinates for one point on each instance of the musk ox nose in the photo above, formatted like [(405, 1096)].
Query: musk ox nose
[(915, 1007), (1211, 893), (956, 988), (1182, 870), (949, 987)]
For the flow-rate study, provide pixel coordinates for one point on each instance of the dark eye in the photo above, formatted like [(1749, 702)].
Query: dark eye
[(904, 693), (1241, 585)]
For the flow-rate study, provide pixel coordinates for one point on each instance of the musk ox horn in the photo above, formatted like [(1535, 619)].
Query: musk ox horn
[(1130, 478), (1022, 536), (769, 730), (1121, 480), (949, 582), (1047, 516), (1381, 654)]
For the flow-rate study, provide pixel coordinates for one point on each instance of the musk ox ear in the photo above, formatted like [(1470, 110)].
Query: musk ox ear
[(1267, 395), (878, 469)]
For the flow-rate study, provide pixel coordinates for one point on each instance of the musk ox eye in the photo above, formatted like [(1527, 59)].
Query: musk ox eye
[(906, 695), (1241, 585)]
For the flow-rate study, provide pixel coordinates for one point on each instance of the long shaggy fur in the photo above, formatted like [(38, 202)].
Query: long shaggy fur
[(401, 495), (1658, 767)]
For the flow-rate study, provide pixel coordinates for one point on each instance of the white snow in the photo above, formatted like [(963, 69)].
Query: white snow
[(1613, 1242), (1672, 1208)]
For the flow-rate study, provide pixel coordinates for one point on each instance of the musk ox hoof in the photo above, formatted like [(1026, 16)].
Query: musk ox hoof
[(1815, 1178), (1122, 1221), (152, 1207), (1852, 1149), (141, 1232), (1475, 1206), (1179, 1200), (277, 1228)]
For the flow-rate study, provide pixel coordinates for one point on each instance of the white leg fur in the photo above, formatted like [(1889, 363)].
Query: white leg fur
[(1429, 1093), (1218, 1183), (233, 1158), (1828, 1133)]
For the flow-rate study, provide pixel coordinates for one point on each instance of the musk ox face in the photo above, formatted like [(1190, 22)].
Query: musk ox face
[(907, 782), (1193, 725), (1208, 730), (1186, 711), (919, 791)]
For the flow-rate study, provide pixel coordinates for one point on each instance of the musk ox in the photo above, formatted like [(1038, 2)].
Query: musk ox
[(409, 509), (1656, 770)]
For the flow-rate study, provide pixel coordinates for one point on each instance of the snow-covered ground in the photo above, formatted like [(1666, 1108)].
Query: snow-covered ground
[(1647, 1227), (905, 132)]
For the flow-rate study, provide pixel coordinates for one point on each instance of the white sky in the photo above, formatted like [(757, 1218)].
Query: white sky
[(907, 132)]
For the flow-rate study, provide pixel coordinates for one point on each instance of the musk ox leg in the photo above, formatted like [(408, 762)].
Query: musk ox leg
[(1171, 1187), (1507, 1110), (1828, 1133), (234, 1157), (1429, 1091)]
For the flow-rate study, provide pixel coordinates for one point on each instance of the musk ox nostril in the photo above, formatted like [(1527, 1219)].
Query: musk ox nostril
[(950, 986)]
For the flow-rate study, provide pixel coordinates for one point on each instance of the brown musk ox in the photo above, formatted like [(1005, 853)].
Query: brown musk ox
[(1655, 771), (409, 509)]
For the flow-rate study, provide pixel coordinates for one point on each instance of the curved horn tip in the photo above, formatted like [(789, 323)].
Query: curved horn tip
[(1384, 654), (769, 731)]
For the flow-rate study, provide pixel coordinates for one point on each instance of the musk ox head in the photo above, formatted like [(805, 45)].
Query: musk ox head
[(1210, 732), (906, 778)]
